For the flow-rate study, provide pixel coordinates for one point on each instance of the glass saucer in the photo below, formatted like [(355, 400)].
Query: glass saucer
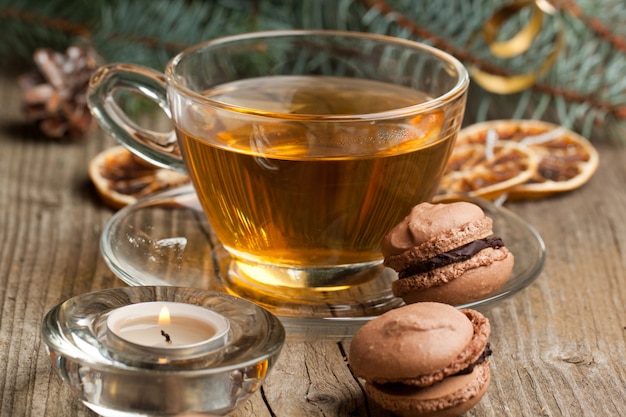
[(165, 239), (120, 379)]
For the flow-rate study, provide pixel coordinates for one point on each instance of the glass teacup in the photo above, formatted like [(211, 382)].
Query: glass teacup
[(304, 147)]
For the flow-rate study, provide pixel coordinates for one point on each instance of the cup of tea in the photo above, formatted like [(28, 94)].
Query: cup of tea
[(304, 147)]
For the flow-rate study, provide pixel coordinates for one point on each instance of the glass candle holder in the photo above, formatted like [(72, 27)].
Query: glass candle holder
[(119, 376)]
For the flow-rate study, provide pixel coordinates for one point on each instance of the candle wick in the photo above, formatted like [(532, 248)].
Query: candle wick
[(166, 336)]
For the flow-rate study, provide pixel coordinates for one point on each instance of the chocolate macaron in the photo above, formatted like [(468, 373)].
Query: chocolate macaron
[(424, 359), (446, 253)]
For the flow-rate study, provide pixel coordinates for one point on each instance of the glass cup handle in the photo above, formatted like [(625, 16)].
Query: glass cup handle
[(159, 148)]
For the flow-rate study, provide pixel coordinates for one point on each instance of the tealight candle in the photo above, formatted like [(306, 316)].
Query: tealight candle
[(168, 330)]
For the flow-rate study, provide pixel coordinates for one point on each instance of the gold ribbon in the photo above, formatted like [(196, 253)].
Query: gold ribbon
[(517, 45)]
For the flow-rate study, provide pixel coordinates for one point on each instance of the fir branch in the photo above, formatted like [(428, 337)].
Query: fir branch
[(595, 24), (584, 87), (424, 34), (565, 91), (467, 56), (156, 30), (25, 28), (62, 25)]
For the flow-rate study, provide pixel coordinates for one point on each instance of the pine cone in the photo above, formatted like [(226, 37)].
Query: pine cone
[(54, 95)]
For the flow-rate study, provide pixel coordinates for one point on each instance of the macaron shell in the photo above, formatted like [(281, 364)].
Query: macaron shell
[(461, 282), (449, 398), (440, 243), (410, 341), (426, 221)]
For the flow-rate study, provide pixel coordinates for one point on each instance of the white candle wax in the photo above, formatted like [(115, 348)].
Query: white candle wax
[(170, 329)]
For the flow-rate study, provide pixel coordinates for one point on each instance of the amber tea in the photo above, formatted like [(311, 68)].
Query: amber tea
[(305, 148), (315, 182)]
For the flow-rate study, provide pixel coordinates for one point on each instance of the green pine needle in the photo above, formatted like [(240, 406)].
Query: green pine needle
[(585, 89)]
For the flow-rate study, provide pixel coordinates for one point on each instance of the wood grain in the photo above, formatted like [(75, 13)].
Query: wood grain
[(559, 346)]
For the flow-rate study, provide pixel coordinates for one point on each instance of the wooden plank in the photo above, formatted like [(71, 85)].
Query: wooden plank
[(559, 346)]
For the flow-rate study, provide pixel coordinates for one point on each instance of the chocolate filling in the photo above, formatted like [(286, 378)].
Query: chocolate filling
[(395, 386), (459, 254), (483, 357)]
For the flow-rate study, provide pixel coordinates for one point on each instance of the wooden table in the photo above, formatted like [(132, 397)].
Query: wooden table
[(560, 345)]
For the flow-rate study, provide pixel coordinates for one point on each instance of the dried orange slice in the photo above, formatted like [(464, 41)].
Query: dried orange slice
[(566, 159), (121, 177), (486, 170)]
